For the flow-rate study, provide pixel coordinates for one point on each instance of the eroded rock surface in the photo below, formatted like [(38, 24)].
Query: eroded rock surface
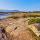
[(15, 29), (3, 34)]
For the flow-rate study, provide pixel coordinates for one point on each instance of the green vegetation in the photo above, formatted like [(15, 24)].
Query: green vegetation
[(34, 20)]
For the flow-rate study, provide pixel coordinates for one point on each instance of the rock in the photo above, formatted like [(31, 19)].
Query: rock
[(2, 38), (0, 35)]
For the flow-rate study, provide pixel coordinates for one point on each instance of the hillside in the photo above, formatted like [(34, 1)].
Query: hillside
[(16, 27)]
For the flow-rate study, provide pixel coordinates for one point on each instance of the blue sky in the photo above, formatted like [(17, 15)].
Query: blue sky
[(27, 5)]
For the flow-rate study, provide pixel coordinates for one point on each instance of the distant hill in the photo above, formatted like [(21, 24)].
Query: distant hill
[(2, 12), (9, 11), (36, 11)]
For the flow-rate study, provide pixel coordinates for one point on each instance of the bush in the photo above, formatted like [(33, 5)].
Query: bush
[(34, 20)]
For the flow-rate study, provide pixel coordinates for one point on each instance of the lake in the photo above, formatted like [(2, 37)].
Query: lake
[(4, 15)]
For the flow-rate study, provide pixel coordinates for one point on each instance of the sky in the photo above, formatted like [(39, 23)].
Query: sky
[(23, 5)]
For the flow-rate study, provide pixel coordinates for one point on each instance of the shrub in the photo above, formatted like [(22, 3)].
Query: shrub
[(34, 20)]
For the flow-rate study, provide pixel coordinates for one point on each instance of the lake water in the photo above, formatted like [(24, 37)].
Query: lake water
[(4, 15)]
